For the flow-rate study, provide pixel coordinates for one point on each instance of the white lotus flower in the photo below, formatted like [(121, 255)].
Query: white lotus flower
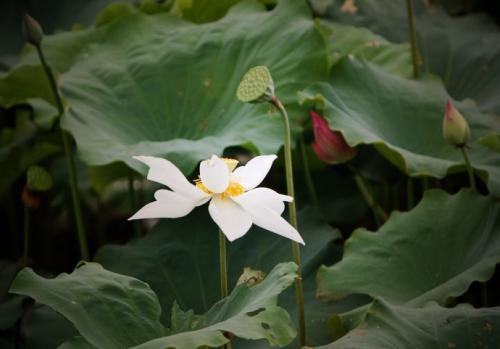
[(235, 202)]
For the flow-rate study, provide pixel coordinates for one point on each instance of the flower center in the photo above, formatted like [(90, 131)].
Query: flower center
[(233, 189)]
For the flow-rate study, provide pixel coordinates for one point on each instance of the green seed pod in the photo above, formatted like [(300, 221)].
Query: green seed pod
[(32, 31), (256, 86), (38, 179), (455, 128)]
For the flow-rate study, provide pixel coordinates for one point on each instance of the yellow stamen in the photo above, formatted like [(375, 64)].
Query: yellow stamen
[(199, 184), (230, 163), (233, 189)]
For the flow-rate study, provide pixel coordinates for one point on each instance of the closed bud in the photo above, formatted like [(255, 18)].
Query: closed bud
[(455, 128), (330, 146), (256, 86), (32, 31)]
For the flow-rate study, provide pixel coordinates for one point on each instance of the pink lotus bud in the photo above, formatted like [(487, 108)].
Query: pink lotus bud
[(32, 30), (455, 128), (330, 146)]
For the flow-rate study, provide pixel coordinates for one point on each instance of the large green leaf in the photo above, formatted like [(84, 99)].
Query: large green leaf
[(157, 85), (115, 311), (346, 40), (248, 312), (464, 51), (403, 119), (432, 327), (431, 253), (109, 310)]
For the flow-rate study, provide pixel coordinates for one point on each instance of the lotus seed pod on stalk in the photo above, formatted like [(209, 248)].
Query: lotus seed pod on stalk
[(37, 178), (256, 86), (455, 128), (32, 31), (330, 146)]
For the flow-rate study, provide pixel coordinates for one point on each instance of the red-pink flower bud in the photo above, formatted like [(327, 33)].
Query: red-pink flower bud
[(455, 128), (330, 146)]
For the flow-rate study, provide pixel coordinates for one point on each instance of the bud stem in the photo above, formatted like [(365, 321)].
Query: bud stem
[(413, 38), (26, 229), (470, 171), (299, 293), (84, 251), (307, 173), (368, 197)]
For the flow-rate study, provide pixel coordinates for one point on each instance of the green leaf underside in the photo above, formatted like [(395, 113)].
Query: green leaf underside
[(108, 309), (463, 50), (157, 85), (431, 253), (389, 326), (402, 118), (248, 312)]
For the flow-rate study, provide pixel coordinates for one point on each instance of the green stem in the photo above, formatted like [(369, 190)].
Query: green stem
[(299, 293), (133, 203), (470, 171), (413, 37), (224, 291), (84, 251), (223, 265), (368, 197), (410, 195), (307, 173), (26, 229)]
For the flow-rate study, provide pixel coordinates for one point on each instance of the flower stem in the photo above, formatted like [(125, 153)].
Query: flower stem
[(84, 251), (307, 173), (299, 293), (470, 171), (133, 203), (368, 197), (26, 229), (223, 265), (224, 292), (413, 37)]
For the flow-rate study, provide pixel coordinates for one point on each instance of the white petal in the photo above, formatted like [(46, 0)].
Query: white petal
[(164, 172), (168, 204), (263, 196), (268, 219), (214, 174), (230, 217), (254, 172)]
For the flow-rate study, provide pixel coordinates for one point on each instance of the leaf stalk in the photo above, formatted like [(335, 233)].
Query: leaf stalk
[(299, 292)]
